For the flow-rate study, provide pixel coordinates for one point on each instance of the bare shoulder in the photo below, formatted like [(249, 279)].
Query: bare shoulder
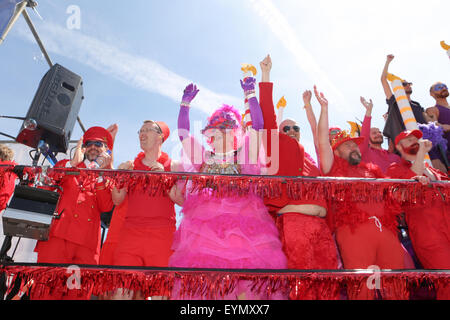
[(432, 113)]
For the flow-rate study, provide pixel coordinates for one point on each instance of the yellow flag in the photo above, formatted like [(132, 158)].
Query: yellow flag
[(246, 67), (392, 77), (355, 129), (445, 46), (281, 103)]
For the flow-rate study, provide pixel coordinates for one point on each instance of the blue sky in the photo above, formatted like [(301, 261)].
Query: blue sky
[(136, 57)]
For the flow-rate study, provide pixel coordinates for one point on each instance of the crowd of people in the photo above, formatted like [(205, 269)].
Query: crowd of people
[(251, 232)]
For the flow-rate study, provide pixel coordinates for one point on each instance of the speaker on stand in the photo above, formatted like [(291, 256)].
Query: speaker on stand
[(51, 117)]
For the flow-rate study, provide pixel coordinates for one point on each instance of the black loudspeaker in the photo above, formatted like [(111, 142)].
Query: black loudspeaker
[(30, 213), (54, 110)]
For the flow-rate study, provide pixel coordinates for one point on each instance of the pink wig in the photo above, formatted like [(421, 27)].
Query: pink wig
[(226, 117)]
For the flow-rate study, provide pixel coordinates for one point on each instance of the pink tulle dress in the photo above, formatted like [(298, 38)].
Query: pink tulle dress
[(235, 232)]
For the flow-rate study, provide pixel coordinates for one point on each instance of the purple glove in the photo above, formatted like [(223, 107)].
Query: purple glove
[(248, 85), (255, 110), (189, 94)]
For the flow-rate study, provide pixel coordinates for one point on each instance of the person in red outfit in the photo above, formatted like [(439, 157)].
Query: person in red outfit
[(306, 238), (7, 189), (7, 185), (371, 149), (366, 232), (112, 238), (146, 236), (428, 223), (75, 236)]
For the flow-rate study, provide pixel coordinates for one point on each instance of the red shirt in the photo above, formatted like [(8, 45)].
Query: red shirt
[(144, 210), (117, 220), (403, 170), (7, 185), (351, 213), (288, 157), (381, 158)]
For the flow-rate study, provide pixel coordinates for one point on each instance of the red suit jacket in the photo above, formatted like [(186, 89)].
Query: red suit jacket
[(80, 211)]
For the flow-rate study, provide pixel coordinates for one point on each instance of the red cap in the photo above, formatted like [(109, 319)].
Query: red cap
[(164, 128), (405, 134), (99, 134), (342, 137)]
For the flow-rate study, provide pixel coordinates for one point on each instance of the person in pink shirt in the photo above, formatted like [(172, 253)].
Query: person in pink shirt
[(371, 149)]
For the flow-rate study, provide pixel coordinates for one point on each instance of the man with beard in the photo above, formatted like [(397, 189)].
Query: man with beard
[(75, 235), (428, 224), (365, 231), (441, 111), (371, 149), (394, 123)]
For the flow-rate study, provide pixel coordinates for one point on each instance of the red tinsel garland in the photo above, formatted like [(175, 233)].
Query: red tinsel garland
[(308, 188), (218, 283)]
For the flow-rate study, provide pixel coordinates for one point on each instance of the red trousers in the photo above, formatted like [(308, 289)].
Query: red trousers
[(146, 247), (429, 229), (60, 251), (308, 244), (371, 245)]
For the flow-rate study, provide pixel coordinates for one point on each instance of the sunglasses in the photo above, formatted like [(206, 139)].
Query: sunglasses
[(98, 144), (288, 128), (407, 83), (440, 87), (333, 132)]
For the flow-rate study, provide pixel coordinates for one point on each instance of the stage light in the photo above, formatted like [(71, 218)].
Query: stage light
[(30, 124)]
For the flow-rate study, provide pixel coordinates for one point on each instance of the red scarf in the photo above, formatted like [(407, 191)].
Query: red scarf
[(163, 159)]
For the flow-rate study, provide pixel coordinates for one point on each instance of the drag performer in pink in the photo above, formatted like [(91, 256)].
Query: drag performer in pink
[(234, 232)]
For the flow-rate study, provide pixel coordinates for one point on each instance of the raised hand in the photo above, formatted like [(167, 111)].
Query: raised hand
[(113, 130), (425, 145), (266, 66), (78, 157), (189, 94), (320, 98), (307, 95), (389, 58), (248, 85), (367, 105)]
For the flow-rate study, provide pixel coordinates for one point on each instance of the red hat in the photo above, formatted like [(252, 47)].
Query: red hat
[(164, 129), (405, 134), (99, 134), (342, 137)]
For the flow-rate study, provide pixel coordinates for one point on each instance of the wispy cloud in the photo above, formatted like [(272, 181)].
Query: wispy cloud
[(131, 69), (281, 28)]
